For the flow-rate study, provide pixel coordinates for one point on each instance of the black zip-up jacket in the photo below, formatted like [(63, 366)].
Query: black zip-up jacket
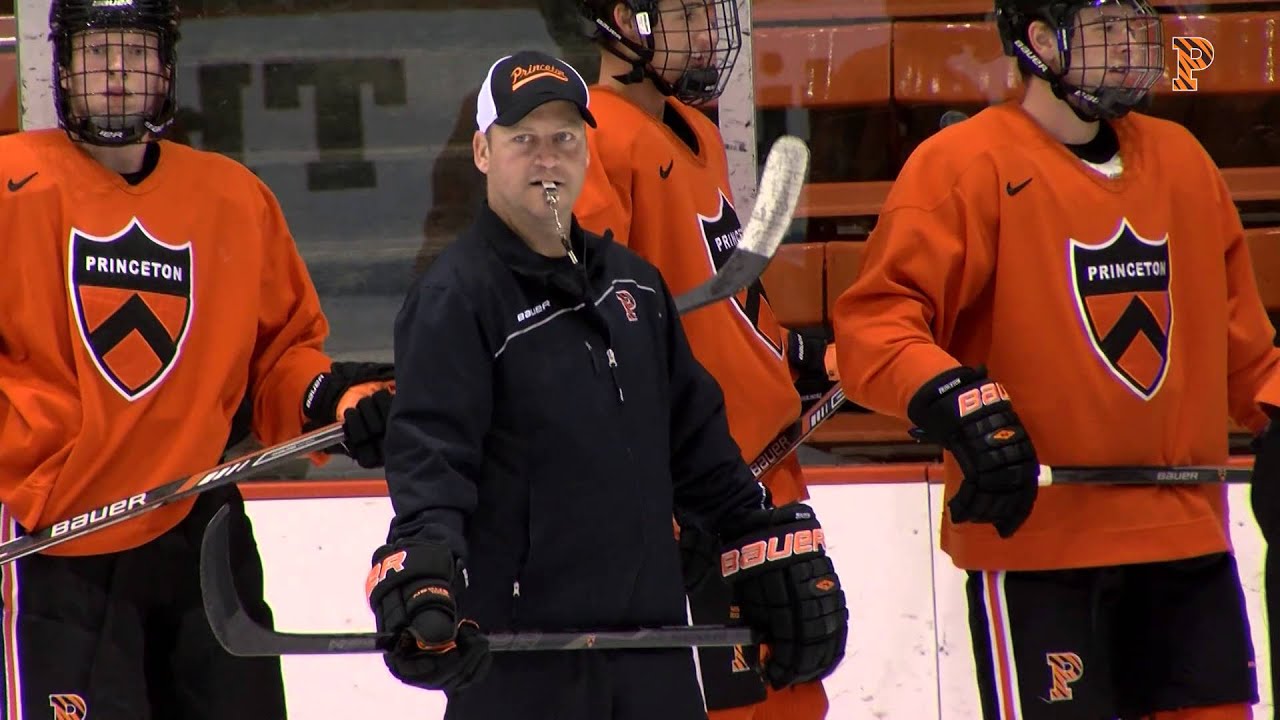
[(545, 430)]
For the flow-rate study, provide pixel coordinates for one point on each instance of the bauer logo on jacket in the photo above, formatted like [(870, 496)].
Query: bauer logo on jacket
[(1121, 290), (132, 298)]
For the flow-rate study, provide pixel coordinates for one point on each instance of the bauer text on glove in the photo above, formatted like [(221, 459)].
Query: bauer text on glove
[(970, 415), (787, 589)]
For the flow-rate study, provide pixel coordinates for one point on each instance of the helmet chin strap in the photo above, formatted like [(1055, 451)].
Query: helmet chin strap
[(697, 78), (1064, 93), (640, 71)]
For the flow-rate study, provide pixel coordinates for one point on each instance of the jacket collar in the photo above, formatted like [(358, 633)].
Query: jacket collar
[(521, 259)]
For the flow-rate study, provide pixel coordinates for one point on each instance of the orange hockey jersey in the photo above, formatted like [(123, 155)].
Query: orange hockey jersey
[(131, 325), (673, 206), (1121, 315)]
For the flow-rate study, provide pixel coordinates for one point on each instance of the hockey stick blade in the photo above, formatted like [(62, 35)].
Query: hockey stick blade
[(241, 635), (227, 473), (1143, 475), (797, 432), (780, 185)]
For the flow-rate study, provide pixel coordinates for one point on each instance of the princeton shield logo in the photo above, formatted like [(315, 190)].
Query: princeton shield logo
[(1122, 293), (721, 233), (132, 298)]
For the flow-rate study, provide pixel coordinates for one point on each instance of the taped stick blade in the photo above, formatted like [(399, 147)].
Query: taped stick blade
[(784, 174)]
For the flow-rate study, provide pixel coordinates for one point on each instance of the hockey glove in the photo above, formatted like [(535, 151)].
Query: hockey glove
[(359, 396), (411, 590), (1264, 490), (971, 416), (807, 355), (788, 590)]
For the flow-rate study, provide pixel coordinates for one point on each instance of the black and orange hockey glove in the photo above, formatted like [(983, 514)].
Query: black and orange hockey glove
[(411, 589), (786, 586), (358, 395), (807, 356), (967, 413)]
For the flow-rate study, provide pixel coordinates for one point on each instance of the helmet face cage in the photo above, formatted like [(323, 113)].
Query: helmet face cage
[(687, 47), (114, 68), (1112, 53)]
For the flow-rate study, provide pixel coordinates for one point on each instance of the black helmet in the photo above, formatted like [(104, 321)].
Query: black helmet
[(1121, 45), (112, 122), (704, 71)]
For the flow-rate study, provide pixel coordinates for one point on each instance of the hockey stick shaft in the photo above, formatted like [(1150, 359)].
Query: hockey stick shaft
[(237, 470), (281, 643), (780, 185), (794, 435), (241, 635), (1143, 475)]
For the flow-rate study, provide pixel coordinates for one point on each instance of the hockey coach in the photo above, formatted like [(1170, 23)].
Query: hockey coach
[(549, 419)]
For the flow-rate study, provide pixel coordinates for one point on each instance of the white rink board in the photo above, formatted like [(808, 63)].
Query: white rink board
[(906, 659)]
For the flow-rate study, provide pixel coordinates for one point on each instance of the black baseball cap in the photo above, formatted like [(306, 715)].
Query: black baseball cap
[(516, 84)]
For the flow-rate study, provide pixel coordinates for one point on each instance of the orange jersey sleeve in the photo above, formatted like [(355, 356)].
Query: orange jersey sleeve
[(1106, 306), (142, 317), (292, 329), (677, 210)]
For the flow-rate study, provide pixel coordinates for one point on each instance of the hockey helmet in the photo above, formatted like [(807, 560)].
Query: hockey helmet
[(700, 41), (113, 63), (1109, 52)]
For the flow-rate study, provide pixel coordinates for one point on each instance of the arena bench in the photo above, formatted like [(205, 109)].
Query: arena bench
[(821, 66), (765, 12)]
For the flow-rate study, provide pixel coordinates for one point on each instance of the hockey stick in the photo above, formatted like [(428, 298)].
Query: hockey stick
[(797, 432), (240, 635), (1143, 475), (780, 186), (227, 473)]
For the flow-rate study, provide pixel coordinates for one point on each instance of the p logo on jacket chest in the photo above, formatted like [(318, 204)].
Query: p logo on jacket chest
[(131, 294), (628, 304), (1121, 288)]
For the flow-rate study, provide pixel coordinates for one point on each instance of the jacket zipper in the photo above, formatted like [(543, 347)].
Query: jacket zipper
[(613, 370)]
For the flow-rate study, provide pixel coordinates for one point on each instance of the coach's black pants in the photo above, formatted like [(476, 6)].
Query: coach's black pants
[(124, 636), (1116, 642), (584, 685)]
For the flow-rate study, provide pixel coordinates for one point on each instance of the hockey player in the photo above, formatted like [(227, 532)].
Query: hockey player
[(1062, 280), (155, 287), (554, 420), (660, 184)]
